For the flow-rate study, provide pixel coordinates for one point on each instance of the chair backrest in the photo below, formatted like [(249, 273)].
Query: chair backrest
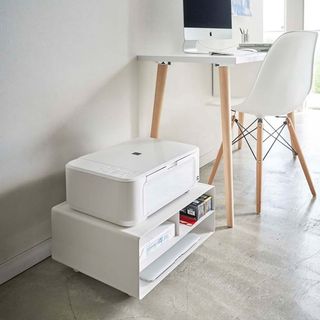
[(285, 77)]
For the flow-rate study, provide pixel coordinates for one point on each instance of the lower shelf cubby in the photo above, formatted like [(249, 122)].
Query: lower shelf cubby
[(169, 260)]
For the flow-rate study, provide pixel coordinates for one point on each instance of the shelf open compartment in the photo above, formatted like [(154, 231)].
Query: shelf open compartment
[(200, 233)]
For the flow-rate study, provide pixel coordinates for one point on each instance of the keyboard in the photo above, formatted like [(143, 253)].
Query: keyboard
[(258, 47)]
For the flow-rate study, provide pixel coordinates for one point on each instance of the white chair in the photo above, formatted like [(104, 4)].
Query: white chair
[(282, 85)]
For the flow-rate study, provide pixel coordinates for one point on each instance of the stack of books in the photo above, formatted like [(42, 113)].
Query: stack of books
[(196, 210)]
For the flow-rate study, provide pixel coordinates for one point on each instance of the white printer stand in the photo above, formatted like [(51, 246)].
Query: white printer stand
[(110, 253)]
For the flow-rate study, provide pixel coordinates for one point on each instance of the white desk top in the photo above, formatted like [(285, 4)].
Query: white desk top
[(238, 58)]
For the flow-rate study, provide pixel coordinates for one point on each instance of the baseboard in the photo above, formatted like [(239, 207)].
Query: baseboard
[(24, 260)]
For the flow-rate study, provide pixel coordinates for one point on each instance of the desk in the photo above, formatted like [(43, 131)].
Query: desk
[(222, 63)]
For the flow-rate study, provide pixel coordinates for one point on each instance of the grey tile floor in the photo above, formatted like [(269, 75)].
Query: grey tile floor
[(267, 267)]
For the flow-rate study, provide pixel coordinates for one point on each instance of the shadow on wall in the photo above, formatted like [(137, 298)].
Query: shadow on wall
[(108, 117), (25, 214)]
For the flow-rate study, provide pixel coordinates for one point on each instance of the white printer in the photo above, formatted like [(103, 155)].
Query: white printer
[(126, 183)]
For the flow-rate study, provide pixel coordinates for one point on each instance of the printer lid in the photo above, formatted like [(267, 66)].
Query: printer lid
[(129, 160)]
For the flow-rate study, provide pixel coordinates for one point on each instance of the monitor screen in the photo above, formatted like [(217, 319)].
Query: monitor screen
[(214, 14)]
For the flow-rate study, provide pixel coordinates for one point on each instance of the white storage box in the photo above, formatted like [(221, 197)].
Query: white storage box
[(126, 183), (156, 238)]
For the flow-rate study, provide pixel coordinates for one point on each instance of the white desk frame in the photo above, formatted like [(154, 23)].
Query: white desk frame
[(222, 63)]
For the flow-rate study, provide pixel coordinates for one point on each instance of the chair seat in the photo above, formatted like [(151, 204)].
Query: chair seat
[(285, 76), (245, 108), (238, 104)]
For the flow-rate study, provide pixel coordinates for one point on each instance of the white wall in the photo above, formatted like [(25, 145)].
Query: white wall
[(68, 86), (188, 115)]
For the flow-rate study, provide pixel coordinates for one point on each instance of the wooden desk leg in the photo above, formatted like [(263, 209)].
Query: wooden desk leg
[(158, 99), (226, 141), (218, 158)]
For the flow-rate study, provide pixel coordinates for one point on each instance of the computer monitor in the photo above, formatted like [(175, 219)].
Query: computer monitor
[(206, 19)]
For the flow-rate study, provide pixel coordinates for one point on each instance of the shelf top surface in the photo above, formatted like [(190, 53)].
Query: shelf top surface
[(221, 60)]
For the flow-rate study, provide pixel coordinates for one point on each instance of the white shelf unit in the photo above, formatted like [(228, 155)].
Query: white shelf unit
[(110, 253)]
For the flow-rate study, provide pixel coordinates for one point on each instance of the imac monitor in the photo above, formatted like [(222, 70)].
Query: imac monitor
[(206, 19)]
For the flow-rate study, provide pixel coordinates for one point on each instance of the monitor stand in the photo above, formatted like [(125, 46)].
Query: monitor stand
[(192, 46)]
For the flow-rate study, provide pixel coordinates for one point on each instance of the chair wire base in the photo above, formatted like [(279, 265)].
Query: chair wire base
[(276, 134)]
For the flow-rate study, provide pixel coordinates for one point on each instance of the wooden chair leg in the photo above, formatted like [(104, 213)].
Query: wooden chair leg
[(259, 165), (300, 156), (218, 158), (241, 121), (291, 116)]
